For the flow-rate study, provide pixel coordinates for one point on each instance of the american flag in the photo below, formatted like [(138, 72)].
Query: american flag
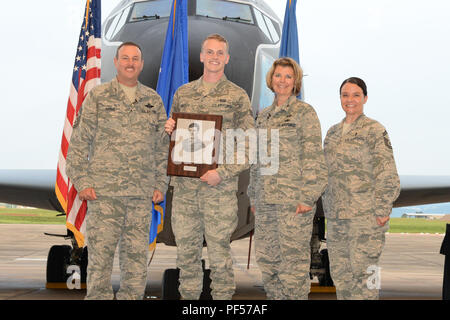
[(86, 75)]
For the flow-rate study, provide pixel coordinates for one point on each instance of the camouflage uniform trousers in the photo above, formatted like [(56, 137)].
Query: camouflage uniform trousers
[(354, 248), (212, 213), (282, 244), (112, 221)]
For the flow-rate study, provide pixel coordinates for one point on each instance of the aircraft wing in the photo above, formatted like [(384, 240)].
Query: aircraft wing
[(32, 188), (36, 188), (416, 190)]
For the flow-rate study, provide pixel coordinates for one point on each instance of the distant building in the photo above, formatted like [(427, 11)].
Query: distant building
[(421, 215), (7, 205)]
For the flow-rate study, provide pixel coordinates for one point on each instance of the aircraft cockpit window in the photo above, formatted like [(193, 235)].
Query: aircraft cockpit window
[(112, 28), (272, 30), (150, 10), (267, 27), (262, 25), (230, 11)]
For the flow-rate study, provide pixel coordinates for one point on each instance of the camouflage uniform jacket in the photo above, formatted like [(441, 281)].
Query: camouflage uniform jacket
[(117, 148), (362, 176), (301, 175), (226, 99)]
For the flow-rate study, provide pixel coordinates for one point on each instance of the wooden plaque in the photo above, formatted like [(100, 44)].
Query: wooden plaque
[(194, 144)]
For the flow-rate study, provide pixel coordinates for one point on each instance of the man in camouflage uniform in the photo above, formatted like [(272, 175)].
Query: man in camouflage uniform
[(207, 207), (117, 161), (362, 185), (284, 201)]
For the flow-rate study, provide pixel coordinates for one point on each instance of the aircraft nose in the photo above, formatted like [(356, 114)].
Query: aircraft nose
[(243, 40)]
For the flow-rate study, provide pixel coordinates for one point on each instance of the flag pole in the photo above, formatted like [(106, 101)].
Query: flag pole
[(88, 2), (174, 13)]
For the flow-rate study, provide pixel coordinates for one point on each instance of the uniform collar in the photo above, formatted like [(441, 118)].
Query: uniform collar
[(198, 86), (119, 92), (357, 124), (274, 109), (285, 106)]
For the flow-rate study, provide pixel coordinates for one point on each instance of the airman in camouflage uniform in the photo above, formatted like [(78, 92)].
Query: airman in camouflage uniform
[(206, 208), (117, 161), (362, 185), (284, 202)]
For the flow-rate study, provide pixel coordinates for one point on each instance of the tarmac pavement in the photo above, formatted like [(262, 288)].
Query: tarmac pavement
[(411, 267)]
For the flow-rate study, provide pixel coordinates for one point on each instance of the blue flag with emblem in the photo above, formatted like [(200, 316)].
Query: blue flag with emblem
[(173, 73), (289, 35)]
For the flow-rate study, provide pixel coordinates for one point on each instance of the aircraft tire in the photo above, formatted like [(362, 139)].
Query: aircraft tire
[(83, 265), (171, 283), (325, 279), (57, 261), (206, 291)]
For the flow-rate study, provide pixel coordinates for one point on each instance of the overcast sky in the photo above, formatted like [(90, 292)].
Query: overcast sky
[(400, 48)]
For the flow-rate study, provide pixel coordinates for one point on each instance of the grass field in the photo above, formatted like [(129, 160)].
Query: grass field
[(413, 225), (30, 216), (39, 216)]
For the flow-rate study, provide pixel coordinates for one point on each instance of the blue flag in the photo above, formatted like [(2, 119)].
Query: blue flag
[(174, 70), (173, 73), (289, 35)]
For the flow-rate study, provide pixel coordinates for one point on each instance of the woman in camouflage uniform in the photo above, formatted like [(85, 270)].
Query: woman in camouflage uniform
[(362, 185), (284, 201)]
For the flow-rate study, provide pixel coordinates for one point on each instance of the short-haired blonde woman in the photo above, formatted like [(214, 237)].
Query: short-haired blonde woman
[(284, 201)]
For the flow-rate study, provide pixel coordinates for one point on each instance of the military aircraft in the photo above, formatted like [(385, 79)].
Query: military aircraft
[(253, 31)]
